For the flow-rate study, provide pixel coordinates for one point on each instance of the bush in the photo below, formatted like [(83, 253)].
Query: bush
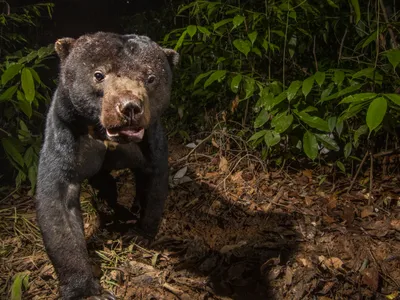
[(22, 92)]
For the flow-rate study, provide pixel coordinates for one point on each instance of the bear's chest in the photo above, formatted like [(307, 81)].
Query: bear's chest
[(96, 154)]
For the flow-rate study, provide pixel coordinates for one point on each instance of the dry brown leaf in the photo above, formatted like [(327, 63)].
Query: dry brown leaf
[(308, 200), (288, 275), (332, 202), (371, 278), (214, 143), (395, 224), (324, 298), (348, 214), (223, 164), (327, 287), (237, 176), (308, 174), (328, 219), (367, 211), (306, 263), (235, 103), (331, 263)]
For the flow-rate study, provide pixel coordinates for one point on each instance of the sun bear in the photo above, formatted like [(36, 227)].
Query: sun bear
[(104, 115)]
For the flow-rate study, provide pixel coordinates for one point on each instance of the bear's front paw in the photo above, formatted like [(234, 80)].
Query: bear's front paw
[(106, 295)]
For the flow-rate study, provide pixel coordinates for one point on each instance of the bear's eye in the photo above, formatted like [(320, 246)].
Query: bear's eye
[(99, 76), (151, 79)]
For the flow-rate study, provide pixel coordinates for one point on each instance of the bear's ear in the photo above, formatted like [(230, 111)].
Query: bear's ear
[(172, 56), (63, 47)]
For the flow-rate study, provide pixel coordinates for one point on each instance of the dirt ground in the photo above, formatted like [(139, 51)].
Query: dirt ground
[(232, 230)]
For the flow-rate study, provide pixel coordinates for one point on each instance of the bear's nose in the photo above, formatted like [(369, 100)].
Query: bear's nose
[(131, 110)]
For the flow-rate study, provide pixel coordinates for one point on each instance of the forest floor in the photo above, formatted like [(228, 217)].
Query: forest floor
[(232, 229)]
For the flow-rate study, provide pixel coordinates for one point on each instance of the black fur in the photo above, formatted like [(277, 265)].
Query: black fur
[(70, 154)]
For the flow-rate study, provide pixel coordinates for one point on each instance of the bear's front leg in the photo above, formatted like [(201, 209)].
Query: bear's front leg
[(60, 218), (152, 182)]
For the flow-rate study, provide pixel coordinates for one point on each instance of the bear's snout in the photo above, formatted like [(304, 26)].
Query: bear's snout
[(130, 109)]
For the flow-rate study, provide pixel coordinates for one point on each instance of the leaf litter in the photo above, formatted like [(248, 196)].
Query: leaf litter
[(231, 230)]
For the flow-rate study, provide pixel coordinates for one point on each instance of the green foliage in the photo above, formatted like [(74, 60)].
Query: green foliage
[(313, 75), (23, 95)]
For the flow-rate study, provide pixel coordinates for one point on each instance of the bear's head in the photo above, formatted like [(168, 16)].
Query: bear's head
[(121, 82)]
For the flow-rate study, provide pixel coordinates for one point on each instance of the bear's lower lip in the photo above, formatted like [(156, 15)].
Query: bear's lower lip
[(127, 132)]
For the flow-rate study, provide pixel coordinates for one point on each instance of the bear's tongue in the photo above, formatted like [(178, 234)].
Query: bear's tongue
[(129, 132)]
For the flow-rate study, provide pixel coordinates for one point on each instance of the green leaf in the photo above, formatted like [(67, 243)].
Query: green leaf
[(235, 83), (363, 129), (343, 92), (204, 30), (281, 122), (395, 98), (261, 119), (310, 145), (275, 100), (191, 30), (292, 90), (319, 78), (243, 46), (28, 85), (32, 175), (221, 23), (249, 85), (371, 38), (180, 40), (333, 4), (272, 138), (332, 123), (21, 281), (341, 166), (358, 98), (217, 75), (252, 36), (35, 75), (313, 121), (28, 156), (351, 111), (257, 135), (325, 93), (8, 93), (347, 149), (367, 72), (237, 20), (328, 142), (339, 127), (338, 77), (12, 151), (376, 112), (393, 56), (10, 73), (307, 85), (356, 7), (201, 76)]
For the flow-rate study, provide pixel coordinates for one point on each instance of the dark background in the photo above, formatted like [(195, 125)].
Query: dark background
[(73, 18)]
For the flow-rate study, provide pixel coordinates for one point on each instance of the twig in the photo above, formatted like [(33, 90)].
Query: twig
[(341, 46), (177, 292), (371, 178), (358, 171), (194, 149), (391, 33), (385, 153), (315, 56)]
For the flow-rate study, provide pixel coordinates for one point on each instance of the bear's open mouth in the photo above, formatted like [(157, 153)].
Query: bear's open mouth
[(127, 131)]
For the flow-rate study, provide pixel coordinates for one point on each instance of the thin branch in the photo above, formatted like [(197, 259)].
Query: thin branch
[(358, 171), (391, 33), (315, 56), (341, 45)]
